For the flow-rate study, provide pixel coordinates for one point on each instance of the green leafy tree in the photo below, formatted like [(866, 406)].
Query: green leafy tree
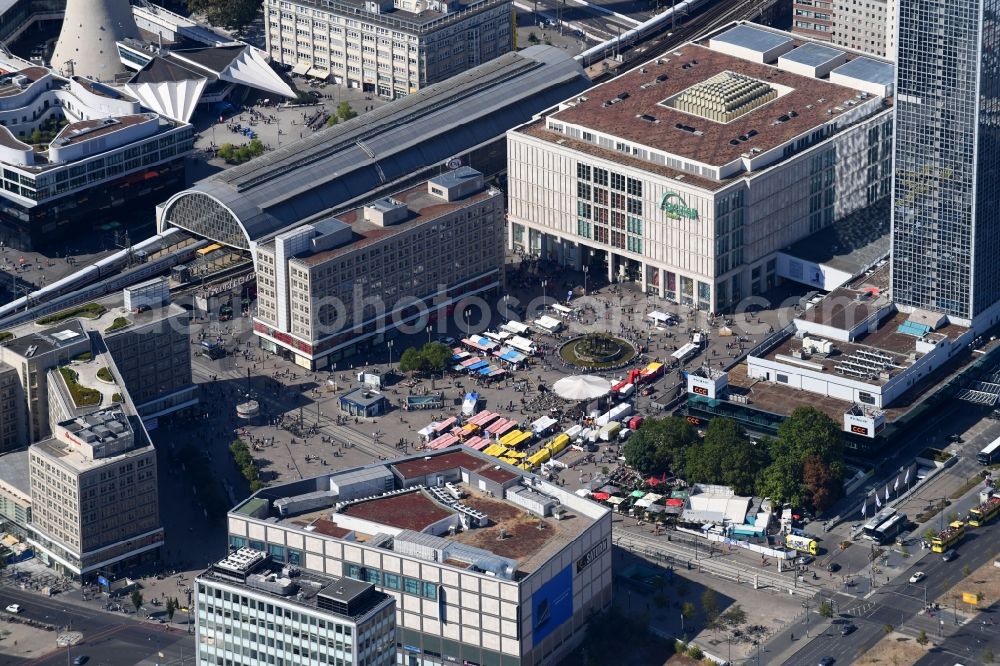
[(171, 608), (726, 456), (922, 637), (411, 360), (710, 603), (826, 610), (688, 610), (136, 598), (695, 652), (232, 14), (227, 151), (345, 112), (807, 435), (660, 445), (332, 120), (437, 356)]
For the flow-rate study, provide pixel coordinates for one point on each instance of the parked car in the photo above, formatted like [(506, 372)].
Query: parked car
[(917, 577), (804, 559), (14, 608)]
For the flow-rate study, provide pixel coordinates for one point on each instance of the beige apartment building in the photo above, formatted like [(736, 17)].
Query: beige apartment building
[(391, 48), (326, 288), (94, 497)]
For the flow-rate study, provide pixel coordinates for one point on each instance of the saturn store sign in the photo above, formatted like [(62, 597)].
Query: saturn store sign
[(676, 208)]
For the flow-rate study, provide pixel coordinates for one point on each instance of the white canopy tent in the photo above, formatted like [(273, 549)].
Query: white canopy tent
[(659, 318), (582, 387)]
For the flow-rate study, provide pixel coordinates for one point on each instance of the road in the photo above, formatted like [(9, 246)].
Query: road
[(899, 603), (108, 639)]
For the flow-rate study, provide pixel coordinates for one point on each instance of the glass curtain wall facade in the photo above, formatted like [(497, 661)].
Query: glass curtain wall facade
[(946, 213)]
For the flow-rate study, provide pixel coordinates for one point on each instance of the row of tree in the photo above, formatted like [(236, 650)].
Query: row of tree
[(432, 357), (803, 465), (248, 466)]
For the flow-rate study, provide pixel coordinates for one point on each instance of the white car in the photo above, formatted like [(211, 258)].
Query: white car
[(14, 608), (917, 577)]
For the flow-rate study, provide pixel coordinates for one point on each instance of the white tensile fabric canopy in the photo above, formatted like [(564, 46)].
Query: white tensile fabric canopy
[(581, 387)]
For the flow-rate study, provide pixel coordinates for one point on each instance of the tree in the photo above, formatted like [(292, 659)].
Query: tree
[(660, 445), (807, 434), (331, 121), (809, 431), (171, 609), (136, 598), (411, 360), (922, 637), (226, 151), (710, 603), (233, 14), (820, 485), (437, 356), (345, 112), (695, 652), (825, 610), (687, 610), (734, 616), (532, 38)]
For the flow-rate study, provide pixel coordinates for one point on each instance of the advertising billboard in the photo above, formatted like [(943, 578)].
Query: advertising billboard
[(552, 605)]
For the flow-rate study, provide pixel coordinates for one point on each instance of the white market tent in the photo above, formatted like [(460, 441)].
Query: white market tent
[(561, 309), (522, 344), (659, 318), (582, 387), (515, 327), (548, 323)]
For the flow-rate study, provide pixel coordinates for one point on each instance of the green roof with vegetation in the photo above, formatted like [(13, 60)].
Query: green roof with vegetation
[(88, 311), (118, 323), (82, 396)]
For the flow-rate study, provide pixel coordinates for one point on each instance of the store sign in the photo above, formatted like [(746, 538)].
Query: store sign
[(675, 207), (591, 555)]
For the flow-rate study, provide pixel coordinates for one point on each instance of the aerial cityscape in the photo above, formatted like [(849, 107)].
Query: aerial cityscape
[(499, 333)]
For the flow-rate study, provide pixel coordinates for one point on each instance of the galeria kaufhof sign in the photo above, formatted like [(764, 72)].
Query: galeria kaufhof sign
[(674, 206)]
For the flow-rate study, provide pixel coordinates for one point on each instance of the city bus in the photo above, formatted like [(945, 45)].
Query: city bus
[(947, 538), (990, 454), (803, 544), (870, 530), (985, 512), (890, 529)]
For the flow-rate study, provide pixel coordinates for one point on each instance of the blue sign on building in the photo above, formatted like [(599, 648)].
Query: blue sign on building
[(552, 605), (101, 580)]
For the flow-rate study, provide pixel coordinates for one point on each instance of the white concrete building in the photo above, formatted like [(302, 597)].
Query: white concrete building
[(388, 47), (310, 618), (488, 564), (865, 25), (690, 173)]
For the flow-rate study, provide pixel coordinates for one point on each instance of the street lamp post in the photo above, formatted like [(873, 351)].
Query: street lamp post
[(806, 604), (545, 283), (465, 315), (429, 329), (586, 269), (389, 345)]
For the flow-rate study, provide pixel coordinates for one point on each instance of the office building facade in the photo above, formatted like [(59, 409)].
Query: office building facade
[(488, 564), (390, 48), (325, 288), (946, 209), (289, 617), (661, 178), (864, 25), (94, 498)]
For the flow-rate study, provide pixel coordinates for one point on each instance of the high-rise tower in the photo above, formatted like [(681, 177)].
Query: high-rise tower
[(946, 207), (86, 44)]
